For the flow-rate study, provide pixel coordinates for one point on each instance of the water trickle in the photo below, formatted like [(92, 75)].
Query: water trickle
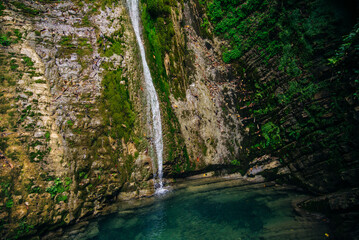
[(152, 99)]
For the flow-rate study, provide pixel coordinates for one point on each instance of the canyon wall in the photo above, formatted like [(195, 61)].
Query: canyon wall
[(271, 90), (282, 104)]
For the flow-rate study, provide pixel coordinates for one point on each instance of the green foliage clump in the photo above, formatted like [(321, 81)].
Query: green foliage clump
[(81, 47), (31, 188), (18, 34), (61, 197), (13, 65), (70, 123), (25, 9), (47, 135), (86, 22), (110, 45), (236, 162), (9, 203), (5, 40), (66, 41), (59, 187), (23, 228), (158, 8), (2, 7), (5, 192), (117, 107), (28, 62), (271, 133), (83, 175), (84, 48), (157, 22)]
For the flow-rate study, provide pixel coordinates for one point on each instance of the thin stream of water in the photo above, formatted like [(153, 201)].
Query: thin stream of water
[(152, 99)]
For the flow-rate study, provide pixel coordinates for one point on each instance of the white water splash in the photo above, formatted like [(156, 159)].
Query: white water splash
[(152, 99)]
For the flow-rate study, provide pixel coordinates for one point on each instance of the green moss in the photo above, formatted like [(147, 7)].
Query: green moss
[(40, 81), (47, 136), (5, 40), (84, 48), (28, 62), (66, 41), (116, 105), (9, 203), (13, 65)]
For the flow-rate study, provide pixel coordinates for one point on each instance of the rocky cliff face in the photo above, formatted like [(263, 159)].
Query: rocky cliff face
[(201, 89), (62, 157), (209, 121)]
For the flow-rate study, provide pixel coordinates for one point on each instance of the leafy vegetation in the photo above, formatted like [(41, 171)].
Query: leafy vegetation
[(276, 29), (271, 133), (28, 62), (9, 203), (47, 135), (348, 42), (5, 40), (6, 193), (58, 188), (24, 228), (31, 188)]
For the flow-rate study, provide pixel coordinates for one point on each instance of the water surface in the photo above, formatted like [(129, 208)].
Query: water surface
[(228, 213)]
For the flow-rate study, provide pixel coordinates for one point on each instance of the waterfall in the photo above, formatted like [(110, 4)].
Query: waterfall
[(152, 99)]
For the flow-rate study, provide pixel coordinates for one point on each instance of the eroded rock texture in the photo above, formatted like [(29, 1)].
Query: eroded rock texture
[(61, 158)]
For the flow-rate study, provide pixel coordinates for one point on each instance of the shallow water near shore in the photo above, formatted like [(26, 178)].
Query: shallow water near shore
[(201, 212)]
